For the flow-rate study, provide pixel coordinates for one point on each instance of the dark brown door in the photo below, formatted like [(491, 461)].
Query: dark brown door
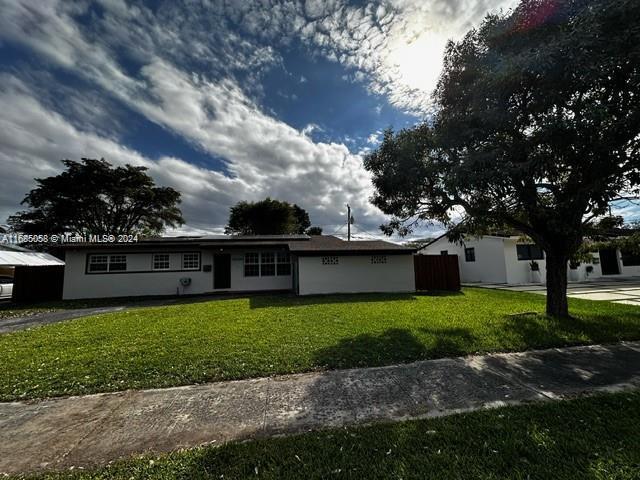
[(222, 270), (609, 262)]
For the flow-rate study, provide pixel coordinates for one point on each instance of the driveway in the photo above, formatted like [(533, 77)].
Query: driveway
[(12, 324), (614, 289)]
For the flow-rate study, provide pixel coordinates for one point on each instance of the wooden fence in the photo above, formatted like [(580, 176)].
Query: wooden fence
[(436, 272), (38, 284)]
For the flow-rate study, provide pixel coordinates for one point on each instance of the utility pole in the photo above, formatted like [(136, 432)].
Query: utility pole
[(348, 223)]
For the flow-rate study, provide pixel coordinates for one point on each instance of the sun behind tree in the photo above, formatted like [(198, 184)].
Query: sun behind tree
[(536, 128)]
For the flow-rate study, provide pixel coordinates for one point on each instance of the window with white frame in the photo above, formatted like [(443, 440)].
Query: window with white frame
[(331, 260), (107, 263), (267, 264), (161, 261), (191, 261), (378, 259), (251, 264), (117, 263), (98, 263), (283, 267)]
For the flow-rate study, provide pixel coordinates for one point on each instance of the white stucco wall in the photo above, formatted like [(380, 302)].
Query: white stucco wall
[(519, 271), (356, 273), (78, 284), (489, 266), (497, 262)]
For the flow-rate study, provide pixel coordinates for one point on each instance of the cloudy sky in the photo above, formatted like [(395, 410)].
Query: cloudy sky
[(224, 100)]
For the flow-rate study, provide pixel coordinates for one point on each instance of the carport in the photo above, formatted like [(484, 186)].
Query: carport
[(37, 276)]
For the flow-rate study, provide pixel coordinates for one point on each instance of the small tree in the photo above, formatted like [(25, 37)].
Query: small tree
[(536, 128), (267, 217), (93, 197), (314, 231)]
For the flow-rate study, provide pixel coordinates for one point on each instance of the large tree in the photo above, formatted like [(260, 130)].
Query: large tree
[(536, 127), (267, 217), (93, 197)]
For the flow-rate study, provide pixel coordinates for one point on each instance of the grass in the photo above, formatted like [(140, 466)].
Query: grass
[(593, 438), (237, 338)]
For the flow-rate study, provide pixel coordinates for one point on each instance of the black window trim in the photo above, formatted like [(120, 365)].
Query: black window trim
[(529, 256), (630, 259), (150, 270), (469, 254)]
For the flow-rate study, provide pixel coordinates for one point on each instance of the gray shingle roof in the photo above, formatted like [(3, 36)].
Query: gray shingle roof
[(330, 243), (300, 244)]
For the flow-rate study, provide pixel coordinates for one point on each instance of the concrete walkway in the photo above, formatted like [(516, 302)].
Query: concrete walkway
[(624, 290), (96, 429)]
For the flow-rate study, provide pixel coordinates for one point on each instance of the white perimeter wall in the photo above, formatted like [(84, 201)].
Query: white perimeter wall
[(78, 284), (489, 266), (497, 262), (356, 273), (519, 271)]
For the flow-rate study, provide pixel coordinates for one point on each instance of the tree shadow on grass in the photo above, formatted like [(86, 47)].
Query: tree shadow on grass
[(292, 300), (393, 346), (539, 331)]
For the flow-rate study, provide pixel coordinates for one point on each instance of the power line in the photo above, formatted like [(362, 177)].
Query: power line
[(339, 228)]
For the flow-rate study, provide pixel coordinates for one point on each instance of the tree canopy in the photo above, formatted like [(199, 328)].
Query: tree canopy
[(537, 127), (267, 217), (93, 197)]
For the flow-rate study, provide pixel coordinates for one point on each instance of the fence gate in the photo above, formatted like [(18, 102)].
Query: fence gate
[(436, 272)]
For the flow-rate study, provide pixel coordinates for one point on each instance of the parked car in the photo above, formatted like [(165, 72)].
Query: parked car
[(6, 287)]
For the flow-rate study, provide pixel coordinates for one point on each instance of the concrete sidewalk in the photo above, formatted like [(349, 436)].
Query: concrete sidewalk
[(96, 429)]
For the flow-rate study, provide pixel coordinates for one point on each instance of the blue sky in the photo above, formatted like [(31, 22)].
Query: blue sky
[(222, 100)]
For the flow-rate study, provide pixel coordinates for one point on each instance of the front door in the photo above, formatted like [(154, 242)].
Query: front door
[(221, 270), (609, 262)]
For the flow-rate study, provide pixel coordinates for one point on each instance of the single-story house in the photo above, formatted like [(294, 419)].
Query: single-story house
[(205, 264), (507, 259)]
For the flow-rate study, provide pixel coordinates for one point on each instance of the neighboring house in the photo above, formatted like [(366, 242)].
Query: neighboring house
[(507, 259), (196, 265)]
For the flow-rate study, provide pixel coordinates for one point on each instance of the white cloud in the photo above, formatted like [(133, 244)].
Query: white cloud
[(266, 157), (201, 101), (396, 47), (374, 138)]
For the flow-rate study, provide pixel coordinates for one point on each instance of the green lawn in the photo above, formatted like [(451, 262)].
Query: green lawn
[(588, 439), (248, 337)]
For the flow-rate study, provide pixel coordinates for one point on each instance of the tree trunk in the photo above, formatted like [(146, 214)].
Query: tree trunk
[(557, 305)]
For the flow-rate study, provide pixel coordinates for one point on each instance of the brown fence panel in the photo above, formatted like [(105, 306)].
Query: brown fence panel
[(38, 284), (436, 272)]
